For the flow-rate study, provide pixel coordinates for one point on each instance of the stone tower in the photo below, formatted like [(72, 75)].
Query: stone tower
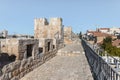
[(51, 30), (67, 35), (68, 32), (40, 28), (56, 28)]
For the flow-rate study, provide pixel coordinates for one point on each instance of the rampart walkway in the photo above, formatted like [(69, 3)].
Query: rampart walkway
[(69, 64)]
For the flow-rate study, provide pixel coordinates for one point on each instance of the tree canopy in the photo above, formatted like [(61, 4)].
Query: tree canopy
[(107, 46)]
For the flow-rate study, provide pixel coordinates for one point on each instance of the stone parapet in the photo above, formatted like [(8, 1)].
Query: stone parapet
[(17, 69), (21, 48)]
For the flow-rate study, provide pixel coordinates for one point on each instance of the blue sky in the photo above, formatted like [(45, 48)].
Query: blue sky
[(17, 16)]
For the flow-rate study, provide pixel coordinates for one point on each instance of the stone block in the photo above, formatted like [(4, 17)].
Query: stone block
[(16, 72), (18, 47), (5, 77)]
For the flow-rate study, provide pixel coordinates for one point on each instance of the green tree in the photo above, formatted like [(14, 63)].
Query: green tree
[(107, 43), (107, 46)]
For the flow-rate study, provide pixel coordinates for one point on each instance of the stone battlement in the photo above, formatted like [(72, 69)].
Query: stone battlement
[(41, 21), (20, 56), (44, 21), (56, 21), (51, 30)]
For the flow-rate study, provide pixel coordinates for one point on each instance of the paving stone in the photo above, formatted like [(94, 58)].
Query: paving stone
[(63, 67)]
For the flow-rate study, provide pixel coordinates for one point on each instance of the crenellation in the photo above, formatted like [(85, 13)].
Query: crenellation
[(52, 31), (41, 21), (40, 27), (23, 54), (55, 21)]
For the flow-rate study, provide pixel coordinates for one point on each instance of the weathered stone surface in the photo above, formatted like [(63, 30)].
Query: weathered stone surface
[(67, 35), (18, 47), (6, 69), (10, 75), (11, 67), (28, 55), (43, 29), (5, 77), (16, 72), (15, 65), (45, 44), (63, 67), (23, 63), (14, 78), (9, 46), (52, 30)]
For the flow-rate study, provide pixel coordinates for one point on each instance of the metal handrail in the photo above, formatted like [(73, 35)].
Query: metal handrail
[(101, 69)]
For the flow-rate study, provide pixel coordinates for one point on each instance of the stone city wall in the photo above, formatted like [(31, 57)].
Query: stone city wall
[(9, 46), (50, 30), (46, 44), (49, 37), (20, 67), (18, 47), (17, 69)]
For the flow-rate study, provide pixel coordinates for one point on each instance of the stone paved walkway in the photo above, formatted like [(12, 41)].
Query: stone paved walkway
[(63, 66)]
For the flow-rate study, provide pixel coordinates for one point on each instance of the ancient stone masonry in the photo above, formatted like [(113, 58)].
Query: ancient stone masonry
[(67, 35), (40, 28), (46, 45), (20, 47), (27, 56), (70, 36), (19, 56), (17, 69), (52, 30)]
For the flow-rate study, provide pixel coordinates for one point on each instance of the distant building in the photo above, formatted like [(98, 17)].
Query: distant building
[(116, 43), (114, 30), (103, 30), (91, 32), (98, 35), (21, 36), (3, 34)]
